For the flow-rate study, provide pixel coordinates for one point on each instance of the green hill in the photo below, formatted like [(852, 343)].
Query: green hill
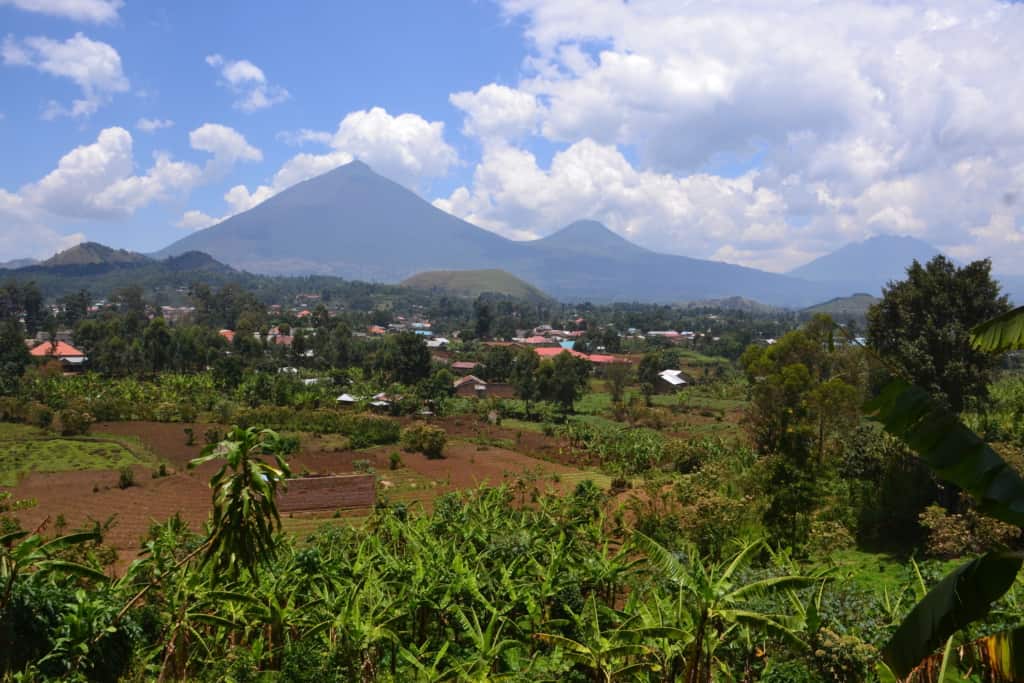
[(93, 253), (473, 283), (854, 307)]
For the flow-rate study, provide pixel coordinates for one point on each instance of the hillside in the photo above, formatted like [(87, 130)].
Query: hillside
[(869, 265), (473, 283), (732, 303), (853, 308), (351, 222), (93, 254)]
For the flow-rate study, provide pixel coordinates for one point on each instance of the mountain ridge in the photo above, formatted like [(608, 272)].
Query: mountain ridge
[(354, 223)]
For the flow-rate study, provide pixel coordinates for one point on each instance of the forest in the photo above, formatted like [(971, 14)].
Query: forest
[(817, 503)]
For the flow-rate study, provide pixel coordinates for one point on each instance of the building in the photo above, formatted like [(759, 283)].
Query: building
[(471, 386), (71, 359), (670, 381), (465, 367)]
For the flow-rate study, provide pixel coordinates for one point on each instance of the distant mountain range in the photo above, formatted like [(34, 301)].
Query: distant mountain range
[(357, 224), (353, 223)]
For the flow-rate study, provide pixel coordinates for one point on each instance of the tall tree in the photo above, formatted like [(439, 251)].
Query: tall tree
[(922, 327)]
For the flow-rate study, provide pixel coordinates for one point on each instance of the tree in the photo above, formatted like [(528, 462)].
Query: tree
[(244, 500), (921, 327), (563, 379), (617, 375), (523, 376), (404, 358), (14, 356), (647, 374), (156, 342), (484, 318)]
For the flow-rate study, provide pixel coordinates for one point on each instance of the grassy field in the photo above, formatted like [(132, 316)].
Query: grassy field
[(25, 449)]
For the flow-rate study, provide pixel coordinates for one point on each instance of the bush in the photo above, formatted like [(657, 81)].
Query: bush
[(425, 439), (125, 478), (74, 422), (38, 415), (362, 430), (394, 460), (190, 436)]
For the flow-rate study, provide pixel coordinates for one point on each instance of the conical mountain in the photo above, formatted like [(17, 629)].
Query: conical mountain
[(357, 224), (869, 265)]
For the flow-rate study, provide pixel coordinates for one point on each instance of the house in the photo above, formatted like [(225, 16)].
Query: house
[(464, 367), (229, 335), (670, 381), (70, 358), (471, 386), (552, 351), (347, 400)]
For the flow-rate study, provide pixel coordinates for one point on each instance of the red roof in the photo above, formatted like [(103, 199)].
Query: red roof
[(283, 340), (464, 365), (603, 358), (537, 340), (375, 329), (60, 350), (552, 351), (228, 334)]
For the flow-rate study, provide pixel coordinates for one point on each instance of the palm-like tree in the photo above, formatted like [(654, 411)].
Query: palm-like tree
[(245, 513), (708, 600)]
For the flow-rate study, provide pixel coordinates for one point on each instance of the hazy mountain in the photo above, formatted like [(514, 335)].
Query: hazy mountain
[(354, 223), (732, 303), (18, 263), (93, 254), (869, 265), (852, 308), (473, 283)]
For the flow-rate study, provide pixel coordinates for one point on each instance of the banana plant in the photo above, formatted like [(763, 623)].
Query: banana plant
[(609, 654), (715, 602), (22, 551)]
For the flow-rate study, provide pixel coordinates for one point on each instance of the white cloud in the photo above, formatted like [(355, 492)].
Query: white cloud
[(803, 124), (248, 82), (498, 111), (24, 235), (95, 11), (303, 136), (92, 65), (225, 144), (152, 125), (513, 196), (405, 148)]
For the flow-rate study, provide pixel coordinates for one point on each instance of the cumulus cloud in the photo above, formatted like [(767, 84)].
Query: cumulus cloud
[(95, 11), (406, 148), (98, 181), (92, 65), (248, 82), (498, 111), (152, 125), (805, 125)]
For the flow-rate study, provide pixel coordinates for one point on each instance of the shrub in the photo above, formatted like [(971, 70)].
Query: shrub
[(125, 478), (10, 409), (212, 435), (190, 436), (74, 422), (362, 466), (425, 439), (395, 460), (38, 415)]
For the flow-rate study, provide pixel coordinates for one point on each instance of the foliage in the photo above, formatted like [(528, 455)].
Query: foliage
[(922, 328), (425, 439), (74, 422), (244, 506)]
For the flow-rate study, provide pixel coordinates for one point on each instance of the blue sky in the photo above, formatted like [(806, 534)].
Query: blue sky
[(741, 131)]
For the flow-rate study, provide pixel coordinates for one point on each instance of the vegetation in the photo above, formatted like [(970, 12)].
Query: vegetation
[(805, 509)]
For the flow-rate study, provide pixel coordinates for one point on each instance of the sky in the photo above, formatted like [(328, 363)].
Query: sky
[(757, 133)]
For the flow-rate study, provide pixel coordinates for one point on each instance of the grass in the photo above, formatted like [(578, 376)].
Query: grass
[(18, 458)]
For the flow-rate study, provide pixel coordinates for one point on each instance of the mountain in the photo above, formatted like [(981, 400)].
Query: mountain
[(103, 270), (93, 254), (869, 265), (473, 283), (732, 303), (847, 308), (356, 224), (18, 263)]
